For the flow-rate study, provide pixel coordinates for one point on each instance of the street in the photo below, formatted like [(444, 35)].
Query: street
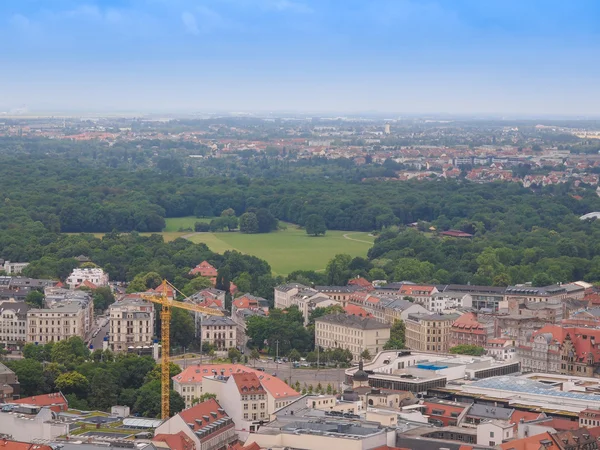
[(97, 341)]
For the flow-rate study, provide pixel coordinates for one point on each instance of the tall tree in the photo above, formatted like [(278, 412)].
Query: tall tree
[(315, 225)]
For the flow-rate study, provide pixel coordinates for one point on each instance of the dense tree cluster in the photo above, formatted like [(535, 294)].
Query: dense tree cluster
[(281, 330), (93, 381)]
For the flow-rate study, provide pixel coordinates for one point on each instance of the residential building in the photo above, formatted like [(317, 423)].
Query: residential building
[(206, 424), (57, 296), (209, 298), (207, 270), (549, 312), (443, 412), (421, 294), (55, 401), (448, 301), (362, 282), (220, 332), (351, 332), (89, 277), (12, 268), (387, 309), (564, 350), (429, 332), (548, 294), (482, 297), (589, 418), (13, 324), (131, 324), (466, 330), (306, 299), (248, 301), (243, 397), (340, 294), (500, 348), (494, 432), (65, 320), (189, 383)]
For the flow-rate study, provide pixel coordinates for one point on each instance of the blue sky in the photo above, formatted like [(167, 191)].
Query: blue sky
[(404, 56)]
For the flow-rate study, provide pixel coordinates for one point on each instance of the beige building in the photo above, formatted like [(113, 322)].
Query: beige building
[(190, 383), (56, 324), (13, 324), (220, 332), (351, 332), (429, 332), (131, 324)]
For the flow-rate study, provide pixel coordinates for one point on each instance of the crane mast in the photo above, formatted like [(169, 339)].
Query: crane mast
[(162, 298)]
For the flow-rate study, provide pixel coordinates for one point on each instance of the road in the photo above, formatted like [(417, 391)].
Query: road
[(303, 375), (97, 341), (347, 236)]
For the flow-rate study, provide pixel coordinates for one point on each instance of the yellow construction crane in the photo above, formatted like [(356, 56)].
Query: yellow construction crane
[(162, 298)]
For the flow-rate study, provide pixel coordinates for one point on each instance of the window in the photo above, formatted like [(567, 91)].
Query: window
[(245, 416), (491, 434), (245, 406)]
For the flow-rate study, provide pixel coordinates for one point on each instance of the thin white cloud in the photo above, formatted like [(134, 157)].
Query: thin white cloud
[(189, 23)]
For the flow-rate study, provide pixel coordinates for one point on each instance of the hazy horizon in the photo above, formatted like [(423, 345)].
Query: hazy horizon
[(453, 57)]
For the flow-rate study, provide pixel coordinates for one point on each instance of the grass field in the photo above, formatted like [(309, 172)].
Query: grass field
[(285, 250), (173, 224), (291, 249)]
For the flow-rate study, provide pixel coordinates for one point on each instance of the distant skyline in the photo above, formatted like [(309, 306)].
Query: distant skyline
[(514, 57)]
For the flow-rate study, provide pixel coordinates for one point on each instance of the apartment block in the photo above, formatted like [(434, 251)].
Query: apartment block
[(131, 324), (351, 332), (429, 332)]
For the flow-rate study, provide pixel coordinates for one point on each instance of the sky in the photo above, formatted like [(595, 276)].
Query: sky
[(398, 56)]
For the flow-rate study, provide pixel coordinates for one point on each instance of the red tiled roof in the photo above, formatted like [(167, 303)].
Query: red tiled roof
[(204, 269), (16, 445), (562, 424), (531, 443), (206, 412), (276, 387), (527, 416), (362, 282), (177, 441), (248, 383), (410, 289), (355, 310), (238, 446), (56, 401), (467, 323)]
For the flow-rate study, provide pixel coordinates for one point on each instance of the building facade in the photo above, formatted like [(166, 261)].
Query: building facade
[(56, 324), (351, 332), (13, 324), (429, 332), (95, 276), (131, 324), (220, 332)]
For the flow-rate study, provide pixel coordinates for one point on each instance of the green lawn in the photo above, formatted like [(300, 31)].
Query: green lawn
[(175, 223), (291, 249)]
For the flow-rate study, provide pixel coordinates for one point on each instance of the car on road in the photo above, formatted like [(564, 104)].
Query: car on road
[(262, 369)]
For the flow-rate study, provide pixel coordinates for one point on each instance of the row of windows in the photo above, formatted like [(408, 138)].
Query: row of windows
[(254, 406), (255, 416)]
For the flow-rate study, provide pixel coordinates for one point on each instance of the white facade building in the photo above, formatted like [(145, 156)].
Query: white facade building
[(95, 276), (13, 324)]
